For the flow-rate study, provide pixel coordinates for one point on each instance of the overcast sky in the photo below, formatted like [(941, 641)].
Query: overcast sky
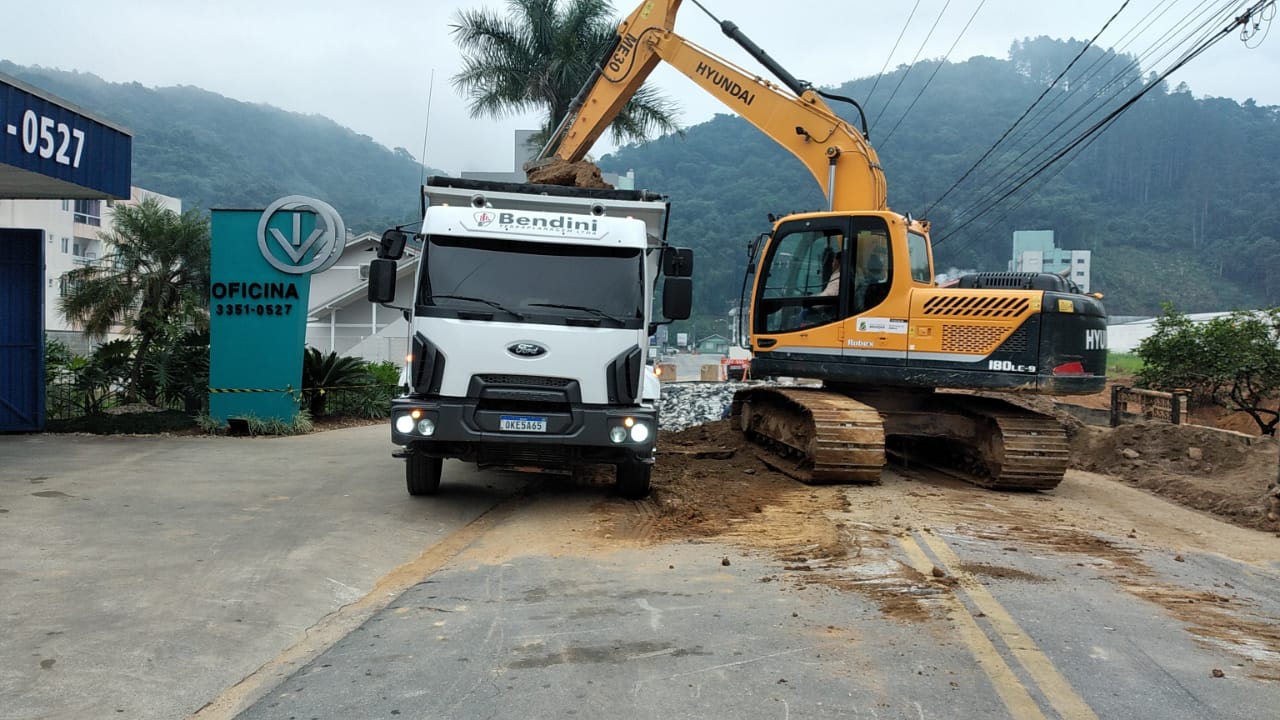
[(369, 65)]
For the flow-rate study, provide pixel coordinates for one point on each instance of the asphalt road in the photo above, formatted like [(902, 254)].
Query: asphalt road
[(523, 629), (294, 578), (142, 577)]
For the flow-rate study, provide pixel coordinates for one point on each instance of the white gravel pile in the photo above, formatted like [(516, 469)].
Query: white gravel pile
[(685, 404)]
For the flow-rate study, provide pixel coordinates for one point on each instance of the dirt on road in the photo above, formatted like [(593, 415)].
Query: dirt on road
[(710, 485), (1231, 476)]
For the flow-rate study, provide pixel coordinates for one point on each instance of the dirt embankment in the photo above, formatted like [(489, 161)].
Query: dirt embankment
[(1213, 466), (1230, 475)]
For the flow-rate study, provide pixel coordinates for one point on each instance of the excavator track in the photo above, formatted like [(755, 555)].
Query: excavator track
[(815, 436), (1025, 450), (822, 436), (1002, 446)]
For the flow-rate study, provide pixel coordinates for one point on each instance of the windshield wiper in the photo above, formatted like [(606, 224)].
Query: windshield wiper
[(583, 308), (490, 303)]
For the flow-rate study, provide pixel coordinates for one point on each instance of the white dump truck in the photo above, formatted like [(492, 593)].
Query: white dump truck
[(529, 329)]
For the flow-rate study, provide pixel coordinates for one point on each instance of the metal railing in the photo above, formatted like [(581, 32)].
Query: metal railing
[(1148, 405), (69, 401)]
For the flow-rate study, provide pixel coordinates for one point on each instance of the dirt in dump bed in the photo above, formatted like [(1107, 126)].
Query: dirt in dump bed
[(554, 171)]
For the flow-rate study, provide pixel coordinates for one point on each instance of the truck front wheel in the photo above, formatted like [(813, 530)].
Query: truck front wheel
[(633, 480), (422, 474)]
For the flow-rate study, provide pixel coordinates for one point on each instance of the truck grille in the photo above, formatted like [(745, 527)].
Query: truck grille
[(524, 380), (521, 455)]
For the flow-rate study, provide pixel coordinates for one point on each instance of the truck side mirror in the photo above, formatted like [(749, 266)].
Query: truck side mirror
[(677, 298), (677, 262), (392, 245), (382, 280)]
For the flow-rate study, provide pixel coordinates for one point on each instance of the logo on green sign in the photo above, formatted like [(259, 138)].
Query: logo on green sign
[(295, 254)]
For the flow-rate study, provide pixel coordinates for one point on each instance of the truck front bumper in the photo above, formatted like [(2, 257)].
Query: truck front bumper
[(579, 436)]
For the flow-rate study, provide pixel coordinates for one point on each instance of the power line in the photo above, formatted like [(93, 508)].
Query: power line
[(1003, 176), (1017, 180), (907, 72), (867, 101), (936, 68), (1093, 131), (1030, 107)]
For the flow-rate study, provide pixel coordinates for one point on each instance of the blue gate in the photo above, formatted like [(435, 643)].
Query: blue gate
[(21, 330)]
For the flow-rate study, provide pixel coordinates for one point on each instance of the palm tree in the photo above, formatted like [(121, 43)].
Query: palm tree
[(539, 56), (155, 277)]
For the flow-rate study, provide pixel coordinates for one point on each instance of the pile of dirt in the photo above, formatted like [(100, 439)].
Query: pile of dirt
[(1226, 472), (710, 483), (708, 480), (1231, 475), (701, 477), (555, 171)]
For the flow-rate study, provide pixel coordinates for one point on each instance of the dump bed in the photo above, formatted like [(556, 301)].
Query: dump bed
[(649, 207)]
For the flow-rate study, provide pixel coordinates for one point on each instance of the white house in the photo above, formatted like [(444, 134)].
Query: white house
[(341, 319)]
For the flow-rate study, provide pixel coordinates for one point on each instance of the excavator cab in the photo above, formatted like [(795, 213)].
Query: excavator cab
[(822, 268)]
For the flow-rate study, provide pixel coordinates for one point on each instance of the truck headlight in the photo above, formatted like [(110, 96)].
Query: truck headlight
[(404, 424), (617, 434), (427, 426), (639, 432)]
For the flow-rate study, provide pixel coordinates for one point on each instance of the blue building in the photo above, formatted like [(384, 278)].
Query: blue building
[(49, 149)]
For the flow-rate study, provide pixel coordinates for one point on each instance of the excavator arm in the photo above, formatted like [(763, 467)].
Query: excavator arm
[(838, 156)]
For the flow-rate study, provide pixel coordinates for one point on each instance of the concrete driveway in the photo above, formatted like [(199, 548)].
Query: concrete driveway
[(142, 576)]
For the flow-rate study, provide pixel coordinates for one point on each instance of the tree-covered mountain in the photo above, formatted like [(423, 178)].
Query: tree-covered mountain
[(1176, 198), (212, 151)]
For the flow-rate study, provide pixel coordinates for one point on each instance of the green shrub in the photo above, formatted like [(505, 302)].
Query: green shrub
[(176, 371), (301, 425), (1231, 361), (322, 374), (210, 424), (384, 373)]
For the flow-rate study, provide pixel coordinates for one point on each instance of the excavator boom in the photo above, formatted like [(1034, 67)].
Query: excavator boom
[(839, 157)]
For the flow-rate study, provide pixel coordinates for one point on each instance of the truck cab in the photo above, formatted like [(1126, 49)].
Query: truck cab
[(529, 327)]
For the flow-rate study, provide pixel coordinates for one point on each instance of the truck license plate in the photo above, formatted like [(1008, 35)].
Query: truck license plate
[(522, 423)]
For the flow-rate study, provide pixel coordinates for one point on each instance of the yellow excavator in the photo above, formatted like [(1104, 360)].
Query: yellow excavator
[(847, 297)]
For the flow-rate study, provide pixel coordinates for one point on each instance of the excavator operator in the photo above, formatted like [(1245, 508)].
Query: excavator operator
[(833, 276)]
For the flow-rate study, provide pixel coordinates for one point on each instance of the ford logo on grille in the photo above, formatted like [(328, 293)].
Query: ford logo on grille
[(527, 349)]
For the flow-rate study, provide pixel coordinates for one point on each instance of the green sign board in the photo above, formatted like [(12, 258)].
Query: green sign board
[(260, 282)]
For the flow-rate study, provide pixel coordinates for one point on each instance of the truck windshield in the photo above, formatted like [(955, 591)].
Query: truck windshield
[(542, 282)]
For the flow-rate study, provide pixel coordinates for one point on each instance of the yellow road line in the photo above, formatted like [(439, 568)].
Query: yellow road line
[(341, 622), (1052, 684), (1015, 697)]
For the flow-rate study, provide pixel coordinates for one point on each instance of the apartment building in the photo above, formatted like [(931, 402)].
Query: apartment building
[(1037, 251), (73, 237)]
